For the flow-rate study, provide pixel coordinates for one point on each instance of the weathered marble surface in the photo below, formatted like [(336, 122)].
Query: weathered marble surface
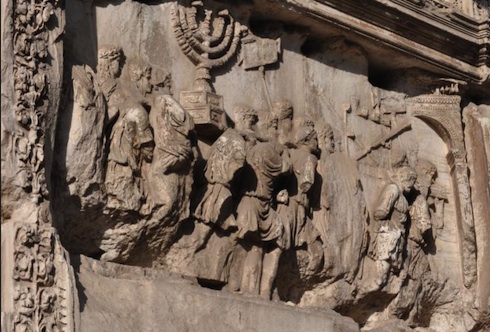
[(151, 300), (334, 155)]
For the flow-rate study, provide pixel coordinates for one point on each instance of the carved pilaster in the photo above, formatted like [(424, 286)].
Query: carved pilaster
[(477, 141), (443, 114), (40, 272), (459, 173)]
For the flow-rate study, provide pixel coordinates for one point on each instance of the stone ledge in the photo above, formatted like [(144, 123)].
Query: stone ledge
[(139, 300)]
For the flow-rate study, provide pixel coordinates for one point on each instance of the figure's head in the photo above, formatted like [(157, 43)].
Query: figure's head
[(282, 197), (306, 135), (406, 177), (246, 117), (138, 128), (161, 80), (426, 173), (326, 139), (140, 75), (270, 123), (109, 61), (398, 158), (283, 109), (226, 158)]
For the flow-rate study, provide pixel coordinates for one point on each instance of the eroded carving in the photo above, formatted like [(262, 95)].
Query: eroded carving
[(30, 71), (443, 112), (131, 144), (259, 208), (295, 208), (169, 176), (391, 213), (24, 298), (255, 217), (38, 289), (216, 208)]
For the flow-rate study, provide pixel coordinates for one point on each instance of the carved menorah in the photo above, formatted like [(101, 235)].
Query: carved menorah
[(209, 39)]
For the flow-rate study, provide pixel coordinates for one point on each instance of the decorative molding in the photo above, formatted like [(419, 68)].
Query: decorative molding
[(41, 290), (40, 271), (443, 38)]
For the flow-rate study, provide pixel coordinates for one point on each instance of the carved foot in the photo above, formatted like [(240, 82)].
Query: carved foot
[(110, 256)]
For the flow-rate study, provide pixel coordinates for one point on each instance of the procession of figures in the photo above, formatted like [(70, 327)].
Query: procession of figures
[(306, 177), (233, 208)]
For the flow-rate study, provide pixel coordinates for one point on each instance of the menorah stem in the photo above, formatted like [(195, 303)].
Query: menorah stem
[(203, 79)]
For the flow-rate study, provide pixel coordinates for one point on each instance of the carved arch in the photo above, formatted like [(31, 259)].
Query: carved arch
[(443, 114)]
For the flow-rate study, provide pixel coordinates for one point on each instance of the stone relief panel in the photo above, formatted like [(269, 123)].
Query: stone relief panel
[(244, 154)]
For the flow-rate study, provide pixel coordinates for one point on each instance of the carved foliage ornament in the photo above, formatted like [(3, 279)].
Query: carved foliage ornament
[(37, 295), (30, 85)]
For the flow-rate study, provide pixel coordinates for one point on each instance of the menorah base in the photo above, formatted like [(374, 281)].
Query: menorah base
[(207, 110)]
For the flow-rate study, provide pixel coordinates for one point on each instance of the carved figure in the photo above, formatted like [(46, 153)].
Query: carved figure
[(298, 228), (284, 111), (109, 70), (245, 120), (140, 77), (226, 158), (85, 149), (419, 211), (168, 180), (132, 87), (270, 127), (343, 231), (161, 81), (391, 213), (417, 268), (131, 143), (257, 221)]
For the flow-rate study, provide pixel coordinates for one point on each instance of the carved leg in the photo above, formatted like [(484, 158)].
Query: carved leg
[(315, 251), (269, 271), (252, 269), (204, 233), (383, 270), (120, 241)]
